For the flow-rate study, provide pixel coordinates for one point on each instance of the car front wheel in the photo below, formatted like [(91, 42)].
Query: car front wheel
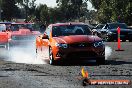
[(130, 40), (100, 60), (123, 40), (51, 59)]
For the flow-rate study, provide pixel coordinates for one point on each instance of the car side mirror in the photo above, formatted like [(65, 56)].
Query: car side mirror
[(45, 37), (94, 32)]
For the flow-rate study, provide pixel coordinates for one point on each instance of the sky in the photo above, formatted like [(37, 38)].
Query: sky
[(49, 3), (52, 3)]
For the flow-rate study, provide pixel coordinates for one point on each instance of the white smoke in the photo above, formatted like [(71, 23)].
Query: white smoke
[(3, 53), (108, 51), (22, 54)]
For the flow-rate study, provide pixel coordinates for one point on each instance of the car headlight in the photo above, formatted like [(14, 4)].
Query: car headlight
[(61, 45), (110, 33), (99, 43)]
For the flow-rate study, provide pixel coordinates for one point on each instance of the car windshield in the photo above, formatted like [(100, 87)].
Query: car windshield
[(71, 30), (114, 26), (16, 27), (26, 37), (100, 26), (2, 27)]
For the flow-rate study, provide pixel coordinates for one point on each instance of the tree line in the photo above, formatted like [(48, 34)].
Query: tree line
[(67, 10), (113, 10)]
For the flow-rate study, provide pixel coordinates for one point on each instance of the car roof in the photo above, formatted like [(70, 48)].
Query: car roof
[(116, 23), (100, 24), (70, 23), (22, 23), (5, 23)]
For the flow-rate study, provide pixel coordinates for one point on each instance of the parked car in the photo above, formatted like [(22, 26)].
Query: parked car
[(5, 35), (23, 29), (96, 30), (109, 32), (71, 41), (22, 32)]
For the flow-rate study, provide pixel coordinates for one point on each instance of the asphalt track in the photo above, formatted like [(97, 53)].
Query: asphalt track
[(22, 73)]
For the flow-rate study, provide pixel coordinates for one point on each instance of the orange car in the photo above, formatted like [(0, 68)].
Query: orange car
[(71, 41), (23, 29), (22, 32), (5, 34)]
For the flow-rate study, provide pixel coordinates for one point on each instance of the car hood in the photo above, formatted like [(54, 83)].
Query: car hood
[(19, 33), (77, 38)]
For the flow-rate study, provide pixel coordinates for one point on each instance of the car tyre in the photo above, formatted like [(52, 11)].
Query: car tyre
[(124, 40), (36, 50), (130, 40), (51, 59), (109, 40)]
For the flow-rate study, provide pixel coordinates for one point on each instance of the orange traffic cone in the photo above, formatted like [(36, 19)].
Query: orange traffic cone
[(119, 42)]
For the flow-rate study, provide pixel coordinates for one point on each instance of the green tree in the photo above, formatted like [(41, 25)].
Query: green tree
[(0, 8), (38, 10), (9, 9), (44, 15), (113, 10), (72, 9), (29, 7)]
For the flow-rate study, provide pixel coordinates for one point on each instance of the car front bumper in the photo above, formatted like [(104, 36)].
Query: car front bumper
[(122, 36), (80, 54)]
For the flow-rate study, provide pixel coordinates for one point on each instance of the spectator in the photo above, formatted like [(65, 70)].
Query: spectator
[(42, 28)]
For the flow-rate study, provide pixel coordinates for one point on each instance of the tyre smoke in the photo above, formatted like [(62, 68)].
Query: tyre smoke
[(26, 54), (21, 54), (108, 51)]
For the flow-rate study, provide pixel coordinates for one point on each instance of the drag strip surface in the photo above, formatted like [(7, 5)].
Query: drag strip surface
[(21, 75)]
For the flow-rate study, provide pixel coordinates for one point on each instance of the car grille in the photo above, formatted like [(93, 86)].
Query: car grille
[(80, 45), (82, 54)]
